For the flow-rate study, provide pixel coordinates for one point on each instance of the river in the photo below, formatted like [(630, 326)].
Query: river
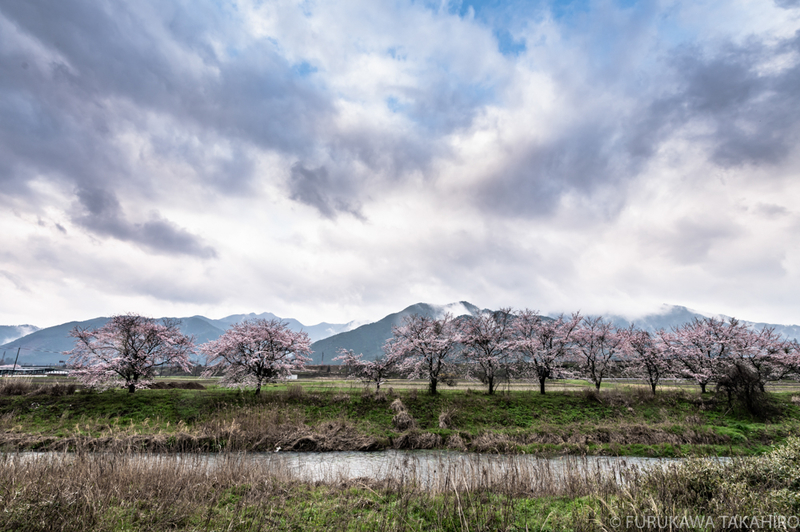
[(434, 470)]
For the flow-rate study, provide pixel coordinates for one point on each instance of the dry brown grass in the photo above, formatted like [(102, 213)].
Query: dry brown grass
[(86, 491)]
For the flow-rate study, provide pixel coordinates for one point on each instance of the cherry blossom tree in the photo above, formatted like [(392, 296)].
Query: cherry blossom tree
[(597, 346), (704, 347), (542, 343), (647, 355), (367, 371), (486, 341), (772, 357), (255, 352), (425, 347), (130, 348), (759, 357)]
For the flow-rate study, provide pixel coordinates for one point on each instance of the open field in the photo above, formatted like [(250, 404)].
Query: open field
[(324, 415)]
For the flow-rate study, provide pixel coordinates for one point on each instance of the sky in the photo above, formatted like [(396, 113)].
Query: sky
[(341, 160)]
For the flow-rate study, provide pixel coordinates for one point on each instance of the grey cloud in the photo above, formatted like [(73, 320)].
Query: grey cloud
[(787, 4), (103, 215), (771, 210), (691, 240), (16, 281), (583, 159), (316, 188), (753, 117), (62, 119)]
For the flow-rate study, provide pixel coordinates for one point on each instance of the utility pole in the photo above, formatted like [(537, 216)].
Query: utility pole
[(14, 368)]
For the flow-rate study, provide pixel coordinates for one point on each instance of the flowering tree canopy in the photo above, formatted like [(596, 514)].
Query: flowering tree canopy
[(425, 347), (647, 355), (598, 344), (771, 357), (257, 351), (486, 339), (128, 347), (367, 371), (542, 343), (704, 347)]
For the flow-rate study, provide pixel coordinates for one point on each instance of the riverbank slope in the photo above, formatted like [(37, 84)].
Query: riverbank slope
[(617, 421)]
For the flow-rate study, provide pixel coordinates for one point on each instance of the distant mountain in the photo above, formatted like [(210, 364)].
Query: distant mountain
[(672, 316), (315, 332), (9, 333), (46, 346), (370, 338)]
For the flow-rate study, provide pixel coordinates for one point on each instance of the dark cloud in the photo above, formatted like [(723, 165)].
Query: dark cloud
[(532, 184), (788, 4), (62, 115), (114, 71), (748, 111), (316, 188), (103, 216), (753, 112)]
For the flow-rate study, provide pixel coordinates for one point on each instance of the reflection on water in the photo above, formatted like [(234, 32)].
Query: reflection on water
[(430, 470), (425, 466)]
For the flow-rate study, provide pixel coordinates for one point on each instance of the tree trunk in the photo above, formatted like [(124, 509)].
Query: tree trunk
[(597, 385), (702, 387), (131, 387), (491, 385), (432, 386), (653, 386), (541, 385), (258, 388)]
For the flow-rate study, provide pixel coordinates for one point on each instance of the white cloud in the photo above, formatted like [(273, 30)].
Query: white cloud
[(346, 159)]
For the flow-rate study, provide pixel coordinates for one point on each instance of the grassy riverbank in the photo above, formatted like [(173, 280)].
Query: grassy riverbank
[(619, 421), (128, 491)]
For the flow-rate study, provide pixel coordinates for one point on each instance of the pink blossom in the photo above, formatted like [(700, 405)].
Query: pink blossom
[(543, 344), (257, 351), (367, 371), (704, 348), (487, 342), (425, 347), (128, 347), (647, 355), (598, 346)]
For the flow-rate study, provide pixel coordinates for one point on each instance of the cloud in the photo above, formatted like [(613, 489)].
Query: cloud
[(788, 4), (315, 187), (102, 215), (748, 112), (526, 153)]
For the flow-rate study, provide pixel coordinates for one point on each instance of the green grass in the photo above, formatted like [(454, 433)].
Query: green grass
[(618, 420)]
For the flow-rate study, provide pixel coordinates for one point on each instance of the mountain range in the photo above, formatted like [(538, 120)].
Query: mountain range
[(46, 346)]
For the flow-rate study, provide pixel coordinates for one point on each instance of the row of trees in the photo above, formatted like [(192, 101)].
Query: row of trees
[(525, 345), (132, 348), (490, 347)]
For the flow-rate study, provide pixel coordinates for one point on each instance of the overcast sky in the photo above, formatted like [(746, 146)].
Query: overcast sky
[(340, 160)]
